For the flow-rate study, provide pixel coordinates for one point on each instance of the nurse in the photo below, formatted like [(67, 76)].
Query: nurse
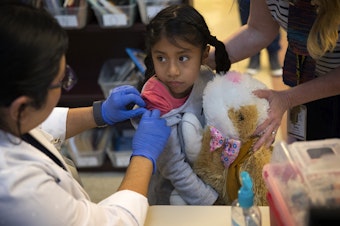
[(37, 186)]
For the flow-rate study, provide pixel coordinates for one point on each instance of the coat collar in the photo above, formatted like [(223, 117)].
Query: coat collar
[(46, 140)]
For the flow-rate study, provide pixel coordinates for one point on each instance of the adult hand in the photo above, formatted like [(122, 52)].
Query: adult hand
[(151, 136), (278, 105), (114, 108)]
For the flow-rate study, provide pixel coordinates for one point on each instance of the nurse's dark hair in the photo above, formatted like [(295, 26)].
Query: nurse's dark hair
[(183, 22), (32, 44)]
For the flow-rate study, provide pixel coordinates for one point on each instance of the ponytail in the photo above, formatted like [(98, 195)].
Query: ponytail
[(222, 60), (150, 70)]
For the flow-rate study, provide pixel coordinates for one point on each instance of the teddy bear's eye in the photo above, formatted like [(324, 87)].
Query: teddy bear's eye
[(240, 117)]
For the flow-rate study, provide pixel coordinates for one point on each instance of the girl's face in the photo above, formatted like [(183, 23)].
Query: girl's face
[(177, 66)]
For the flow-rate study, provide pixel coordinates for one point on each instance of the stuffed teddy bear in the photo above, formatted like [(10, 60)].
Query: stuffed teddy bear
[(223, 148)]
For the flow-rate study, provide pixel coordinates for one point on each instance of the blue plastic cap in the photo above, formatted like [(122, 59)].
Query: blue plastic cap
[(246, 194)]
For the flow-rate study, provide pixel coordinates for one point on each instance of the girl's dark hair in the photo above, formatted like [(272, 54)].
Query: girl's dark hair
[(186, 23), (31, 46)]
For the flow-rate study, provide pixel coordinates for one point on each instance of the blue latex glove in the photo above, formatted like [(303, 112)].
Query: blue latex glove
[(151, 136), (114, 108)]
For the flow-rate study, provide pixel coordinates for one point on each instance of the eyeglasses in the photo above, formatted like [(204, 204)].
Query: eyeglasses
[(69, 80)]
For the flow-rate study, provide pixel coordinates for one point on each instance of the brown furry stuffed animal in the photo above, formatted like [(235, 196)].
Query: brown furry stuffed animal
[(232, 114)]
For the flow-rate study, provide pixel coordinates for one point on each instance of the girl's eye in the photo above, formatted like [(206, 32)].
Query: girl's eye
[(161, 59), (183, 58)]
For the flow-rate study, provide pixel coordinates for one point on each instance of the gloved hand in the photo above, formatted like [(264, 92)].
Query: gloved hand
[(151, 136), (114, 108)]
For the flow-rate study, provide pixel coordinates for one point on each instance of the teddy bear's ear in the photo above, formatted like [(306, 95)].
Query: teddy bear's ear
[(234, 76)]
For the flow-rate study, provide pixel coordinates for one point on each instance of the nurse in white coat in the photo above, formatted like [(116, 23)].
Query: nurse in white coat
[(36, 183)]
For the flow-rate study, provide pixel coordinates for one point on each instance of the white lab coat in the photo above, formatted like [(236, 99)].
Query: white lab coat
[(34, 190)]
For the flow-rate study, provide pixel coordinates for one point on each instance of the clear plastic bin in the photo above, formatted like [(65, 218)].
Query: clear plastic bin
[(319, 163), (117, 17), (149, 8), (119, 147), (74, 17), (117, 72), (88, 148)]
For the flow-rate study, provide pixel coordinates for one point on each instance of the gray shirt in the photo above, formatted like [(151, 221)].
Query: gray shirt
[(173, 167)]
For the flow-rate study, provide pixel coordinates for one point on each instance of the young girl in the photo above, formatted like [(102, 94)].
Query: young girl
[(177, 42)]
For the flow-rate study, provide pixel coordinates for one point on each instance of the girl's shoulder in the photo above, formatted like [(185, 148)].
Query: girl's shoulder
[(207, 71), (206, 75)]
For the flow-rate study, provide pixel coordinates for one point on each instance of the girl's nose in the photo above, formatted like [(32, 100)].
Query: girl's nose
[(173, 69)]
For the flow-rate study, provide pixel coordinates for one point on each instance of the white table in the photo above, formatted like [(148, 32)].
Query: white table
[(195, 216)]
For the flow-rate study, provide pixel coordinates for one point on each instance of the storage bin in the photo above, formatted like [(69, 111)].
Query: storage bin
[(88, 148), (118, 16), (117, 72), (119, 147), (74, 17), (149, 8), (287, 196), (302, 175)]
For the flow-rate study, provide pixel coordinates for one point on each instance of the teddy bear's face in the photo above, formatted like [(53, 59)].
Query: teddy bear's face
[(244, 121), (231, 107)]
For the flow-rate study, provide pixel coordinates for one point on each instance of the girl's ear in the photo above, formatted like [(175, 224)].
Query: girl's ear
[(18, 106), (205, 54)]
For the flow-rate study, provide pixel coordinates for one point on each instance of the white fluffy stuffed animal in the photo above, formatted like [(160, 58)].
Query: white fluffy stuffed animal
[(223, 148)]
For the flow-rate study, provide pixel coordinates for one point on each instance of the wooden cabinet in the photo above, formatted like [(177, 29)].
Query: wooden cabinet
[(89, 48)]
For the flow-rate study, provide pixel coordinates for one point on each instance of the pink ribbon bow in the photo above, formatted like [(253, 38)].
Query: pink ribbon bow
[(231, 147)]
